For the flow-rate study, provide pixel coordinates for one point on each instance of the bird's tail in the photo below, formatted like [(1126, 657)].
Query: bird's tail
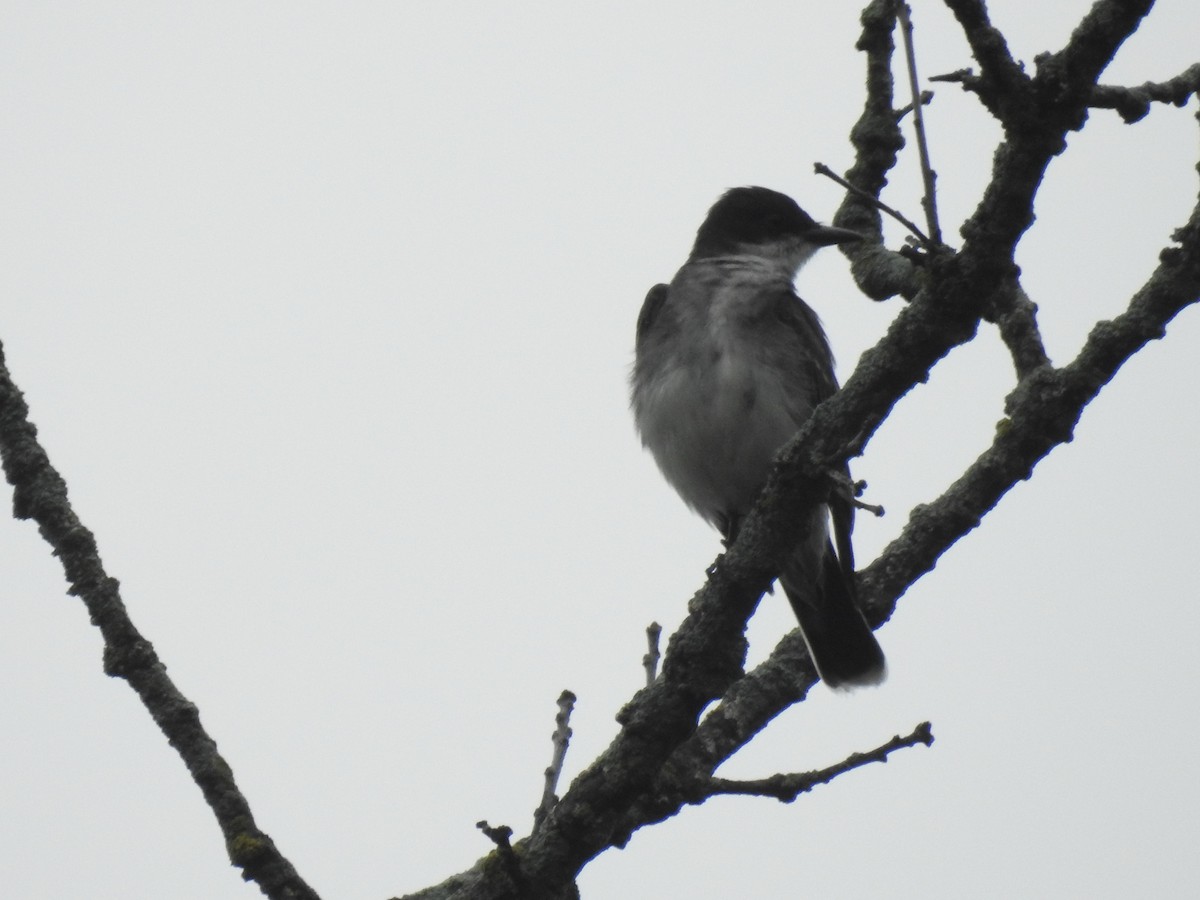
[(841, 644)]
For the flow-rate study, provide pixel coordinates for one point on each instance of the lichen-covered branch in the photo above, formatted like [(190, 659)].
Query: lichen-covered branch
[(39, 493), (880, 273), (1003, 83), (663, 756), (1133, 103), (1015, 315), (1042, 411)]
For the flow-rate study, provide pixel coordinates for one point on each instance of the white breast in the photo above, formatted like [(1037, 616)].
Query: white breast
[(714, 416)]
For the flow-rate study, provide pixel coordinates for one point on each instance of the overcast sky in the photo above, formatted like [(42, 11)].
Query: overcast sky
[(325, 311)]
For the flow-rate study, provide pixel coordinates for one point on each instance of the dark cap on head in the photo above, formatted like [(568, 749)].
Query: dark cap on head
[(758, 215)]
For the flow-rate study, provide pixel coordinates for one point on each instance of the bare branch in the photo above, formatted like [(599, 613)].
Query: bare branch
[(925, 99), (877, 140), (853, 491), (966, 77), (1003, 83), (661, 757), (929, 200), (822, 169), (1133, 103), (39, 493), (1016, 317), (1042, 411), (500, 835), (787, 787), (787, 675), (561, 739), (1092, 46), (650, 660), (873, 508)]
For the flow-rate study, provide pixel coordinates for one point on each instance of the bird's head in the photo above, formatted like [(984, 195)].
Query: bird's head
[(757, 221)]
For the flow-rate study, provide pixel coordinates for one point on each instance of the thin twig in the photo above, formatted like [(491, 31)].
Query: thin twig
[(822, 169), (852, 491), (787, 787), (966, 77), (561, 739), (500, 835), (929, 201), (873, 508), (926, 99), (650, 660)]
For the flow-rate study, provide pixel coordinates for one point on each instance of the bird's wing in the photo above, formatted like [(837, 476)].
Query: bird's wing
[(651, 306), (815, 362)]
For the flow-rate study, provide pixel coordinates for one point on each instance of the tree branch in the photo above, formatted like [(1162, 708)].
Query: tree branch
[(787, 787), (661, 757), (964, 278), (560, 739), (1038, 411), (880, 273), (1015, 315), (39, 493), (822, 169), (1043, 412), (1092, 45), (1003, 83), (928, 176), (1133, 103), (650, 660)]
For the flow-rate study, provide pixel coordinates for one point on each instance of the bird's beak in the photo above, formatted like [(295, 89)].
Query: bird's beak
[(824, 235)]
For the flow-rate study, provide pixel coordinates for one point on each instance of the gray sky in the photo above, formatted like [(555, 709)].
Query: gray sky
[(325, 313)]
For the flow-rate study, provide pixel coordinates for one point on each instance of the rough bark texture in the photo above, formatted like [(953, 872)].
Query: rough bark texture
[(664, 755)]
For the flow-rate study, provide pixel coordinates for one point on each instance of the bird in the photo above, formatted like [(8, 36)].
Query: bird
[(729, 363)]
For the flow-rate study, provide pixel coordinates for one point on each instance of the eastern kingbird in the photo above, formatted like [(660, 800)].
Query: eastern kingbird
[(730, 363)]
